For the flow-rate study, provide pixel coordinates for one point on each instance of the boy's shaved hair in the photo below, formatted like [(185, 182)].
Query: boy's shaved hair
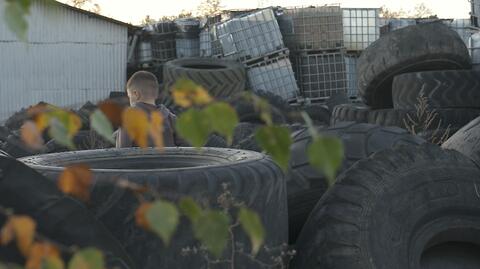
[(144, 82)]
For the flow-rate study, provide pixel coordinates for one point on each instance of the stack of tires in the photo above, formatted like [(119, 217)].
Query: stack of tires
[(411, 73)]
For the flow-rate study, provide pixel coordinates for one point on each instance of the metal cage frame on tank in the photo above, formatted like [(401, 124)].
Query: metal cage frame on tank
[(312, 28), (249, 37), (361, 27), (274, 75), (157, 45), (320, 74)]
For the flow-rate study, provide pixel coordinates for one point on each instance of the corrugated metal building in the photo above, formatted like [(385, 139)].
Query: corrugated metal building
[(71, 56)]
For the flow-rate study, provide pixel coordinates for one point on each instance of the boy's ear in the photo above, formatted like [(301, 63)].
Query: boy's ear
[(137, 94)]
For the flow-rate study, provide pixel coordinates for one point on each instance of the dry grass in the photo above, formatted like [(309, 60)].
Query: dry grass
[(426, 122)]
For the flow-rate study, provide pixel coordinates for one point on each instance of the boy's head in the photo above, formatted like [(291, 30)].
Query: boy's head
[(142, 87)]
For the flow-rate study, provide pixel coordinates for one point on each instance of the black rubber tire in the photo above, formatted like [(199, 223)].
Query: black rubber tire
[(452, 118), (349, 112), (244, 137), (4, 154), (221, 78), (247, 112), (253, 178), (59, 218), (423, 47), (216, 141), (443, 89), (84, 114), (15, 121), (466, 141), (15, 147), (305, 185), (275, 100), (385, 211), (319, 114), (336, 99)]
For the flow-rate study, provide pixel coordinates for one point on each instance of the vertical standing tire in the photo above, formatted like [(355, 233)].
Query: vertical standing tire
[(408, 208), (220, 78), (423, 47), (252, 177)]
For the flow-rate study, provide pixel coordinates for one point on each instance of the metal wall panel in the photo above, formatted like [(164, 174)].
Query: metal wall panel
[(70, 58)]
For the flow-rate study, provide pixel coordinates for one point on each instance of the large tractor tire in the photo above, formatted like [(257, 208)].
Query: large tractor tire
[(442, 89), (222, 79), (423, 47), (251, 178), (306, 185), (404, 208)]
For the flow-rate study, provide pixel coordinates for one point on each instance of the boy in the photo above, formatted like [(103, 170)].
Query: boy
[(142, 90)]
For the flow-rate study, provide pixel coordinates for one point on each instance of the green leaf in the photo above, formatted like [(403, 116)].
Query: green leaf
[(59, 132), (15, 12), (264, 107), (190, 209), (252, 225), (212, 230), (223, 119), (163, 218), (89, 258), (326, 155), (276, 141), (52, 263), (100, 123), (193, 126)]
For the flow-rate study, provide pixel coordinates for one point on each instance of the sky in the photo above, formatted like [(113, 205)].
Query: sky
[(133, 11)]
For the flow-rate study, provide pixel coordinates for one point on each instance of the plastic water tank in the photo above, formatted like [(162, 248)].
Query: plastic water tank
[(474, 43)]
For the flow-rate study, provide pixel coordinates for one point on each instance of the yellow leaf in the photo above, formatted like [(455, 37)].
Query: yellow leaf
[(186, 93), (181, 98), (40, 253), (24, 228), (201, 96), (135, 122), (31, 135), (156, 129), (76, 181), (141, 216), (42, 120), (74, 123)]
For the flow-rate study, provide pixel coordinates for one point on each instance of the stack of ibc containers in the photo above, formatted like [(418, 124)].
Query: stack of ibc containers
[(314, 36), (157, 44), (361, 27), (187, 38), (156, 47), (209, 48), (255, 40)]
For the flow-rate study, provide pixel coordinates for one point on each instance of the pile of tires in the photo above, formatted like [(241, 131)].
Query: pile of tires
[(418, 78), (409, 207)]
